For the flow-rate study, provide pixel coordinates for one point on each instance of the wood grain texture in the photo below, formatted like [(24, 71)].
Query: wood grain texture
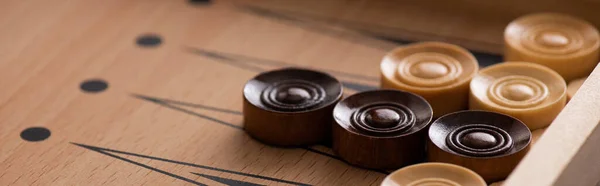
[(171, 114)]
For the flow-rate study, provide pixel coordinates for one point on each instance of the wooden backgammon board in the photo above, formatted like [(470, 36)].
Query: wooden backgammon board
[(239, 92)]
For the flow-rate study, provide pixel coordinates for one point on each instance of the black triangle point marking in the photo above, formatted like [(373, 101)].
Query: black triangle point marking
[(226, 181), (303, 20), (113, 153), (252, 64), (104, 152), (177, 106)]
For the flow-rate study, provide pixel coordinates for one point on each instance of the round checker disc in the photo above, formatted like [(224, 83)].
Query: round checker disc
[(291, 106), (533, 93), (381, 129), (566, 44), (439, 72), (429, 174), (479, 140)]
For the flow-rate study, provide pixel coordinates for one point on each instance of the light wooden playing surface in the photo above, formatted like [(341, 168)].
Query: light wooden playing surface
[(172, 113)]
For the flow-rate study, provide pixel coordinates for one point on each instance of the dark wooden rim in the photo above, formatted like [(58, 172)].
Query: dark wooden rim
[(414, 111), (323, 89), (511, 134)]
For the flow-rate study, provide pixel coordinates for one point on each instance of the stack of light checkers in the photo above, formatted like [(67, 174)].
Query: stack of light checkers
[(435, 105)]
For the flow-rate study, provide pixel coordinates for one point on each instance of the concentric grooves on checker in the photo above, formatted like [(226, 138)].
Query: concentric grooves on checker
[(293, 95), (428, 69), (433, 182), (553, 39), (381, 119), (479, 140), (518, 91)]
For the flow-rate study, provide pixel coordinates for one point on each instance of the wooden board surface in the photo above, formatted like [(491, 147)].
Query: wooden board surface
[(171, 113)]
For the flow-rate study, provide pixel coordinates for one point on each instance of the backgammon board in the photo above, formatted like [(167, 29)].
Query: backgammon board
[(149, 92)]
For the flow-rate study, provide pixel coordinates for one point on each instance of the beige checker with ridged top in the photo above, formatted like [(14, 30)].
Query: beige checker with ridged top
[(440, 72), (433, 174), (564, 43), (530, 92)]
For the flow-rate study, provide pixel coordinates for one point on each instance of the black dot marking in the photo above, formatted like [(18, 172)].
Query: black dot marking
[(93, 86), (35, 134), (200, 2), (149, 40)]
